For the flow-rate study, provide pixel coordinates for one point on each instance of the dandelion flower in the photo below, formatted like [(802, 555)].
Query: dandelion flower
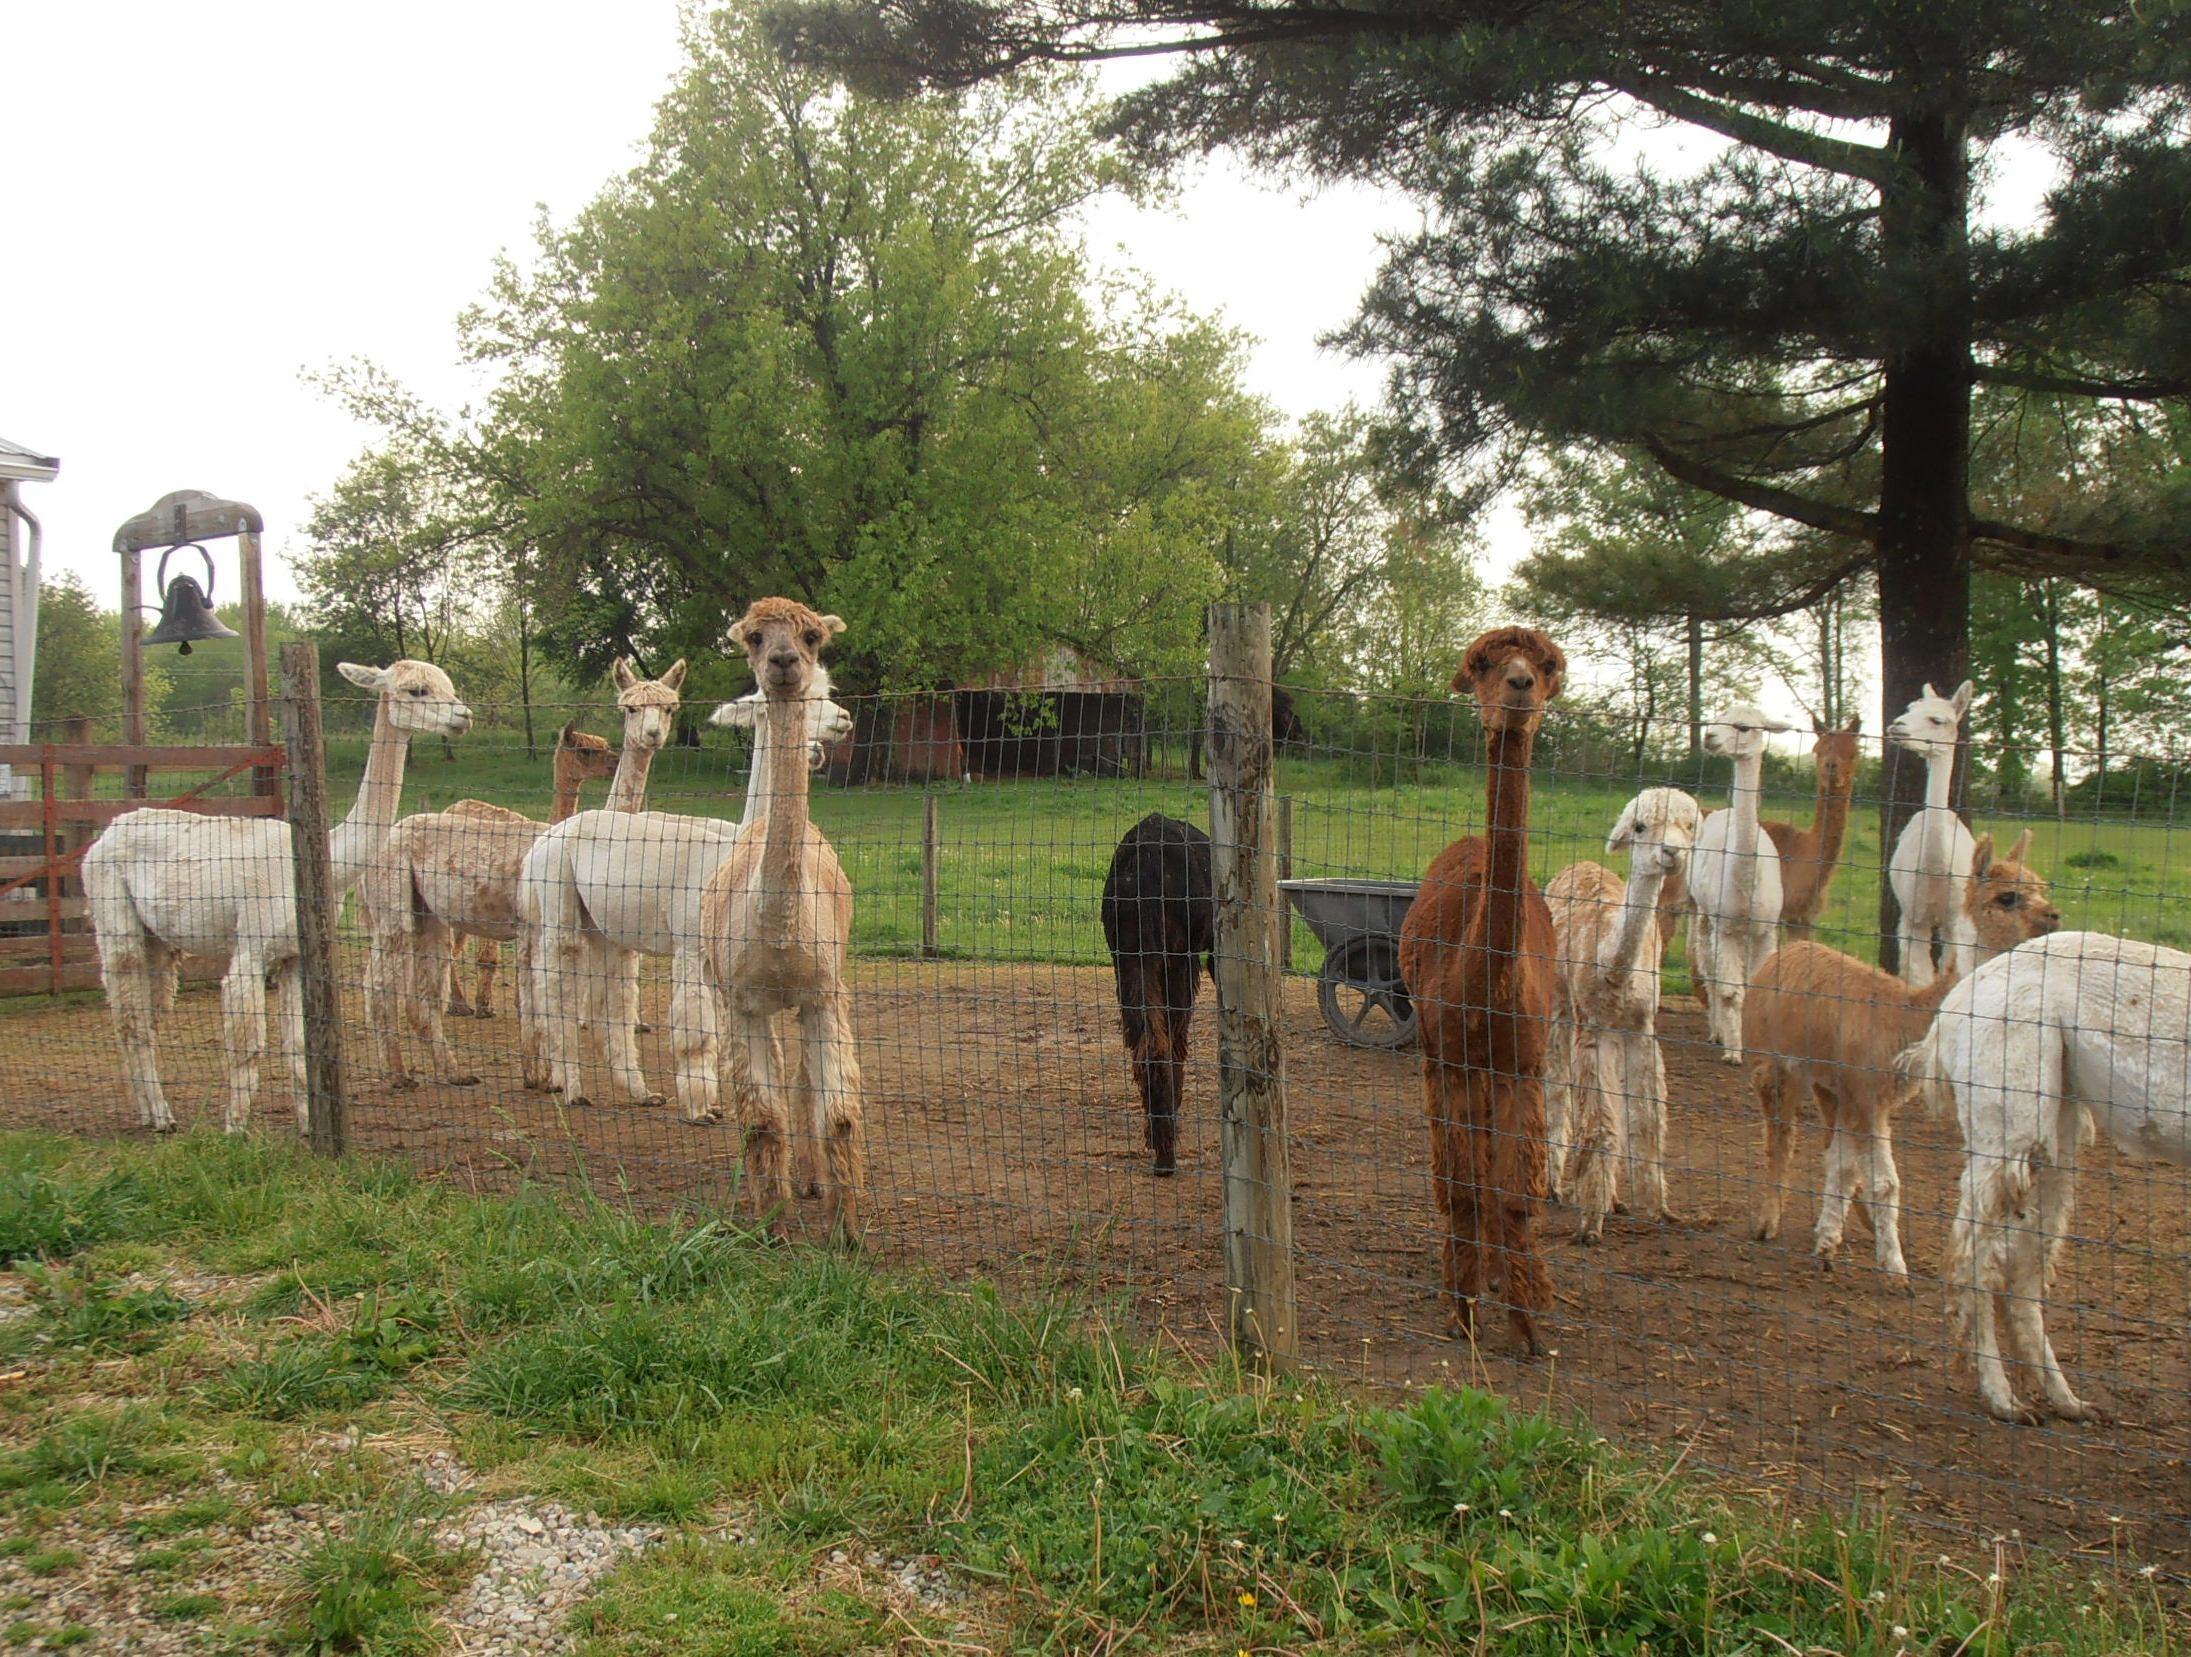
[(1506, 1513), (1248, 1600), (1899, 1632), (1993, 1579), (2149, 1570), (1460, 1507), (1709, 1540)]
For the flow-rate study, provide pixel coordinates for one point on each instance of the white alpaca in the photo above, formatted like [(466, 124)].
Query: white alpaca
[(1734, 882), (445, 874), (601, 889), (1605, 1079), (164, 883), (2032, 1047), (1931, 862)]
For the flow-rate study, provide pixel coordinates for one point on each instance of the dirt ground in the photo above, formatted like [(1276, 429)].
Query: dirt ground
[(1005, 1142)]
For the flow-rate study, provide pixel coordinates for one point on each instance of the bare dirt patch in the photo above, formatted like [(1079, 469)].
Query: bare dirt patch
[(1005, 1141)]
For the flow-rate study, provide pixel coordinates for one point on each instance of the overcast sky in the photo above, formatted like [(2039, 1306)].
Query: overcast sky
[(206, 200)]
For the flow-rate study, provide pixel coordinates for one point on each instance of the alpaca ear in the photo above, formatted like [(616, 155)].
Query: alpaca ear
[(1621, 834), (833, 625), (1818, 726), (1961, 698), (1932, 695), (675, 677), (365, 678), (2017, 852), (568, 736), (1981, 857), (1854, 725), (623, 675)]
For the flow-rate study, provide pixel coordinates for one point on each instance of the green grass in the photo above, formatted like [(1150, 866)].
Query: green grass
[(1085, 1490)]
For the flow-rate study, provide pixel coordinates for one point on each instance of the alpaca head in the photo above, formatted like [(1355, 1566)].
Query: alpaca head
[(1836, 754), (416, 697), (783, 641), (1658, 826), (1739, 732), (829, 723), (1928, 726), (1512, 672), (2007, 900), (582, 754), (649, 706)]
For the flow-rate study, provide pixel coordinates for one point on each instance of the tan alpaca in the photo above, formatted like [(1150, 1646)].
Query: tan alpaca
[(444, 873), (776, 920), (580, 758), (1824, 1022)]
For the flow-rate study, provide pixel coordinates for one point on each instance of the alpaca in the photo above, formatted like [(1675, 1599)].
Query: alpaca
[(1605, 1079), (1734, 882), (1477, 954), (1822, 1022), (1160, 921), (580, 757), (604, 887), (163, 883), (455, 873), (777, 920), (1931, 858), (2031, 1048)]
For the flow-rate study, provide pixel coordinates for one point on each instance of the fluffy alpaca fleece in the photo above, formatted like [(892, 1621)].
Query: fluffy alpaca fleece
[(1824, 1023), (1160, 923), (1734, 882), (1477, 953), (2031, 1048), (1605, 1079)]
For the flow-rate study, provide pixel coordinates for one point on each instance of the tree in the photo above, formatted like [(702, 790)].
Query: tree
[(1796, 325), (78, 671), (842, 350)]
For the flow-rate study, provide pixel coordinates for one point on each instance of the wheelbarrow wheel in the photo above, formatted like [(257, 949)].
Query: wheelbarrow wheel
[(1362, 997)]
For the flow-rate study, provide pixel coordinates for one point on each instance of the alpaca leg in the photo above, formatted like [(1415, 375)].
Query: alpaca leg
[(453, 997), (1915, 945), (1599, 1141), (833, 1080), (1515, 1131), (1974, 1267), (1454, 1187), (289, 1037), (1842, 1176), (1643, 1080), (132, 988), (2031, 1273), (1704, 973), (566, 983), (243, 1035), (767, 1126), (435, 965), (694, 1039), (1883, 1197), (389, 974), (1775, 1101), (1737, 959), (532, 1046), (1560, 1075), (488, 954), (166, 967), (620, 1026)]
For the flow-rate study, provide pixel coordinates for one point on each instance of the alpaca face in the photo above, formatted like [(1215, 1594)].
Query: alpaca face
[(2007, 901), (649, 706), (417, 697), (1929, 725), (1512, 672), (1835, 752), (783, 642), (1739, 732), (584, 755), (1659, 828), (828, 723)]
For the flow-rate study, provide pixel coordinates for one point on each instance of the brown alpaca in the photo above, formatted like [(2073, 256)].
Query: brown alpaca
[(1823, 1023), (1477, 953), (1809, 858), (580, 758)]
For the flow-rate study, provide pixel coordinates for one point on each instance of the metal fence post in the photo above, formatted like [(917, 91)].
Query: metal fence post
[(1258, 1166), (929, 853), (315, 889)]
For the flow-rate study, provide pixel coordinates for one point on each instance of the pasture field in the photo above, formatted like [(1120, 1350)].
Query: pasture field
[(257, 1403), (1022, 863)]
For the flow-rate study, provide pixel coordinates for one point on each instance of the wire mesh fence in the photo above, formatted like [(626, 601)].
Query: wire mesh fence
[(1752, 1256)]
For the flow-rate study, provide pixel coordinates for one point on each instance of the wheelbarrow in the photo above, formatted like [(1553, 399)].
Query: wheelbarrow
[(1359, 988)]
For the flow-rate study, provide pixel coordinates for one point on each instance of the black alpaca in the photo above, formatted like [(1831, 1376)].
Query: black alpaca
[(1160, 919)]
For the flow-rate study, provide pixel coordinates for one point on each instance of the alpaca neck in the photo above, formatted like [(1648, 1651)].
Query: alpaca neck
[(783, 809), (1508, 867), (1831, 825), (568, 780), (1623, 948), (628, 788), (1939, 832), (1749, 784), (357, 839)]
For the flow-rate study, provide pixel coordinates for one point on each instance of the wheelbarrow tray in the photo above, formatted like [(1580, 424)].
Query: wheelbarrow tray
[(1359, 988)]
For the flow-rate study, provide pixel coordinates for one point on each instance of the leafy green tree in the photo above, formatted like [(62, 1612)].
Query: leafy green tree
[(843, 350), (78, 670), (1796, 324)]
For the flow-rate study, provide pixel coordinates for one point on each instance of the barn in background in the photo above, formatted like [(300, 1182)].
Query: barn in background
[(23, 541)]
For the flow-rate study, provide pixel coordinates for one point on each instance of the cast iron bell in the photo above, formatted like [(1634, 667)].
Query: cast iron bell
[(186, 609)]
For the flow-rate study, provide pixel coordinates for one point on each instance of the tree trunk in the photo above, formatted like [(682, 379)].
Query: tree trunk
[(1696, 692), (1924, 479), (525, 672), (2052, 611)]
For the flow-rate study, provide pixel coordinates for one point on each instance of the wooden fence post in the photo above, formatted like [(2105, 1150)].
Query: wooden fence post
[(1258, 1166), (315, 888), (929, 856)]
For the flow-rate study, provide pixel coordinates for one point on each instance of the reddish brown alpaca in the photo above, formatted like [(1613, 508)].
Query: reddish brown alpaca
[(1477, 952), (1809, 858)]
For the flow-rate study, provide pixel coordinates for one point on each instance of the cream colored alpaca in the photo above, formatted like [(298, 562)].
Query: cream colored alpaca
[(1931, 860), (580, 757), (164, 883), (1734, 882), (2031, 1048), (777, 916), (455, 872), (606, 887), (1605, 1079), (1824, 1023)]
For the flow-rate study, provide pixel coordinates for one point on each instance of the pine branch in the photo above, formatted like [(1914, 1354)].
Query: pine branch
[(1764, 497), (2147, 390), (1866, 161)]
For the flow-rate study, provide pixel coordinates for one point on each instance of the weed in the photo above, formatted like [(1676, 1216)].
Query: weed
[(365, 1589), (295, 1377), (186, 1607), (88, 1449), (79, 1309), (2092, 857), (52, 1561)]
